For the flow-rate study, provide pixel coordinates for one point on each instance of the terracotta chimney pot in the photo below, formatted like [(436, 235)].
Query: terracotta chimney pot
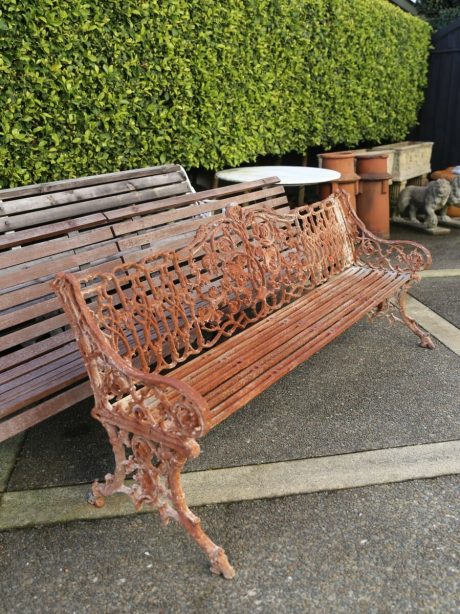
[(373, 200), (344, 163)]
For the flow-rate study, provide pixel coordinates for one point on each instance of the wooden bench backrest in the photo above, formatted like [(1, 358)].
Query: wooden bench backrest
[(87, 235), (61, 226), (237, 270), (36, 205)]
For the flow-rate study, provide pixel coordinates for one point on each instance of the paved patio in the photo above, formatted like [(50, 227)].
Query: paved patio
[(360, 446)]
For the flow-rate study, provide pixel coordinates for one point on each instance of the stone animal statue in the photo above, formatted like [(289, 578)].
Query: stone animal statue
[(454, 198), (426, 200)]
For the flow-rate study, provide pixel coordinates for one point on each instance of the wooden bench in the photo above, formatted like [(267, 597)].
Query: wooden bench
[(178, 342), (77, 225)]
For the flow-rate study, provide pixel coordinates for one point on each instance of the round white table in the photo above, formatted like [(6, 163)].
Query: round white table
[(299, 176)]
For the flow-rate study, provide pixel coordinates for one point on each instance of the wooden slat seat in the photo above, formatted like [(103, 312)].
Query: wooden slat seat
[(177, 342), (233, 373), (77, 226)]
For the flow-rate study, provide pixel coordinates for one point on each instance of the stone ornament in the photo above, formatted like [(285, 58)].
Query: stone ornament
[(428, 201), (454, 198)]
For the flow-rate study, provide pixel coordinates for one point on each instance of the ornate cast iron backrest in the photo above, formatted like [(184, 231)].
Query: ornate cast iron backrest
[(162, 310)]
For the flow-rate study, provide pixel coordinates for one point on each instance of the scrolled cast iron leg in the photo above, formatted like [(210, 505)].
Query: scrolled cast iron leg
[(382, 307), (113, 482), (192, 524), (425, 339)]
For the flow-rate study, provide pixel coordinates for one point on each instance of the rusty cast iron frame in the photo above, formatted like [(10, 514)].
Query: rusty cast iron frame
[(142, 319)]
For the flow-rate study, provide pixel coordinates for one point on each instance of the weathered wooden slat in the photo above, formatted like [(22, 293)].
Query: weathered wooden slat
[(30, 332), (167, 231), (38, 360), (21, 316), (39, 348), (44, 410), (47, 215), (12, 279), (194, 210), (43, 289), (41, 387), (69, 184), (164, 245), (187, 199), (152, 240), (169, 216), (174, 241), (50, 248), (89, 193), (31, 235), (254, 197), (22, 384)]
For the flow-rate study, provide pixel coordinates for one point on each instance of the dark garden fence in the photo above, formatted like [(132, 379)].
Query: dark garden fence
[(440, 113)]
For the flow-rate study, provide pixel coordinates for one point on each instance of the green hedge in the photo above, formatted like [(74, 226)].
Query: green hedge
[(91, 86), (439, 13)]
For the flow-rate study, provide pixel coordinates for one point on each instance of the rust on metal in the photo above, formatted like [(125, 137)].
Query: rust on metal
[(179, 341)]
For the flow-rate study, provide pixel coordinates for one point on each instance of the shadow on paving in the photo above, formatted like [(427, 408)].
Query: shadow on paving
[(390, 548), (371, 388), (444, 249)]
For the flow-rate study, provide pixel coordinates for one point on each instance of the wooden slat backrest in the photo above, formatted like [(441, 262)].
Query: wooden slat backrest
[(39, 204), (33, 329), (26, 272), (48, 228), (237, 269), (170, 223)]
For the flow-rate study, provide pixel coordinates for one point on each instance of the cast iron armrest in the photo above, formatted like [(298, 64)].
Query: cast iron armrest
[(179, 408), (171, 411), (173, 408), (403, 257), (397, 256)]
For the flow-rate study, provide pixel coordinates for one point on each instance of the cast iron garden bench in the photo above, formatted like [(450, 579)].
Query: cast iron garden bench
[(176, 343), (77, 225)]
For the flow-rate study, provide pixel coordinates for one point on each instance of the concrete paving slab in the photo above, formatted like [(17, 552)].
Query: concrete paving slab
[(8, 453), (392, 548), (372, 388), (439, 328), (442, 296), (69, 448), (20, 509), (440, 273), (445, 249)]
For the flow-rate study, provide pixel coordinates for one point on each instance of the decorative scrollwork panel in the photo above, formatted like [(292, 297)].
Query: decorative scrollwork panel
[(170, 306)]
